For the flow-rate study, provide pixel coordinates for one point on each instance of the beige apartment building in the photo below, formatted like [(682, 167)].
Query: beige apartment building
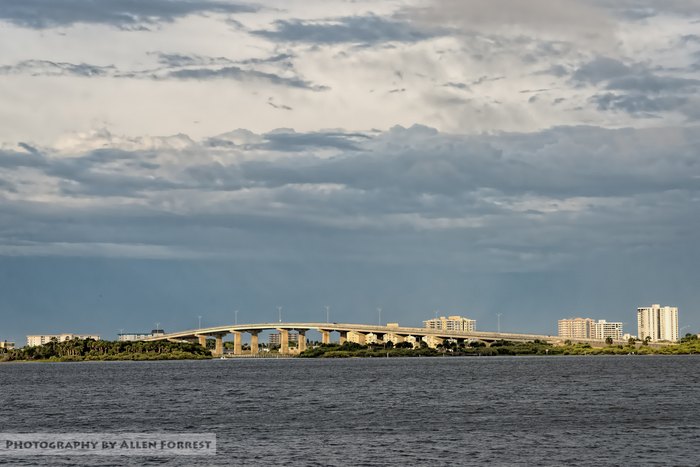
[(575, 328), (41, 339), (588, 328), (451, 323), (657, 323)]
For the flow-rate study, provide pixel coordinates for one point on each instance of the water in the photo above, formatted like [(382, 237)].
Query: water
[(421, 411)]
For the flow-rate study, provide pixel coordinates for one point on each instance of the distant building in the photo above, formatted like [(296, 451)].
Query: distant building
[(575, 328), (451, 323), (41, 339), (657, 323), (273, 340), (5, 345), (135, 336), (588, 328), (603, 329)]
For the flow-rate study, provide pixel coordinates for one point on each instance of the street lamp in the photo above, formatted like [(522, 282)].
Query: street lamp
[(279, 310), (328, 314), (379, 312), (499, 321), (200, 322), (236, 319)]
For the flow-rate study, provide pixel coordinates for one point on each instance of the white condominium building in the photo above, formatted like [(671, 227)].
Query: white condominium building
[(138, 336), (657, 323), (588, 328), (451, 323), (603, 329), (41, 339)]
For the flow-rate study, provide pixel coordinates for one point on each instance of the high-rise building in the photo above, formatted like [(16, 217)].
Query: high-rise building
[(588, 328), (657, 323), (451, 323)]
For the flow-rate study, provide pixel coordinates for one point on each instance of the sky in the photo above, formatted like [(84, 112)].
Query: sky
[(170, 159)]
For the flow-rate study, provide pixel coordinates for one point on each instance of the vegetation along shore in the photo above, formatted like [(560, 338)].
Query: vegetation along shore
[(92, 350)]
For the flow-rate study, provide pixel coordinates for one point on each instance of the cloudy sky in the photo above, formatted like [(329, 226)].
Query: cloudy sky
[(167, 159)]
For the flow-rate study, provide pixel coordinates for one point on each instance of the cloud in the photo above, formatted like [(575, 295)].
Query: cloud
[(491, 197), (569, 19), (40, 14), (643, 9), (50, 68), (240, 74), (619, 76), (368, 29), (175, 67), (635, 89)]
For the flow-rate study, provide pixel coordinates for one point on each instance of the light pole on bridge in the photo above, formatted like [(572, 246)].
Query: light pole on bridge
[(200, 322), (236, 318), (328, 314), (379, 312), (279, 310), (498, 315)]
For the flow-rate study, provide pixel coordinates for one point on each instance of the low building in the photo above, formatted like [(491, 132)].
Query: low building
[(588, 328), (5, 345), (451, 323), (135, 336), (41, 339)]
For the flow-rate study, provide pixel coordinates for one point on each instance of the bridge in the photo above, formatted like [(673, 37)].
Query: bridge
[(360, 333)]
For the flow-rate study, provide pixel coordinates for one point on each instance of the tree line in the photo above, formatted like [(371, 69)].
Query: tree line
[(90, 349)]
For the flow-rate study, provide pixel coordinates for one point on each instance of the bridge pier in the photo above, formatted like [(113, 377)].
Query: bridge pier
[(254, 342), (284, 341), (237, 342), (343, 337), (219, 347), (325, 337), (301, 340), (202, 340), (361, 338)]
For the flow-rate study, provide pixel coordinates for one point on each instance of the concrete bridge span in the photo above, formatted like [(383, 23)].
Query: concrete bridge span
[(360, 332)]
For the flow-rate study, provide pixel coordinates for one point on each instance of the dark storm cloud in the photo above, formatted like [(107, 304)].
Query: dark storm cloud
[(411, 198), (352, 29), (41, 14)]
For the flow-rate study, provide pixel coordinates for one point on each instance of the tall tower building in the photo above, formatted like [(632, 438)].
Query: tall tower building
[(657, 323)]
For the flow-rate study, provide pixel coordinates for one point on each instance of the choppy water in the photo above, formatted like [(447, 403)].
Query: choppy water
[(420, 411)]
